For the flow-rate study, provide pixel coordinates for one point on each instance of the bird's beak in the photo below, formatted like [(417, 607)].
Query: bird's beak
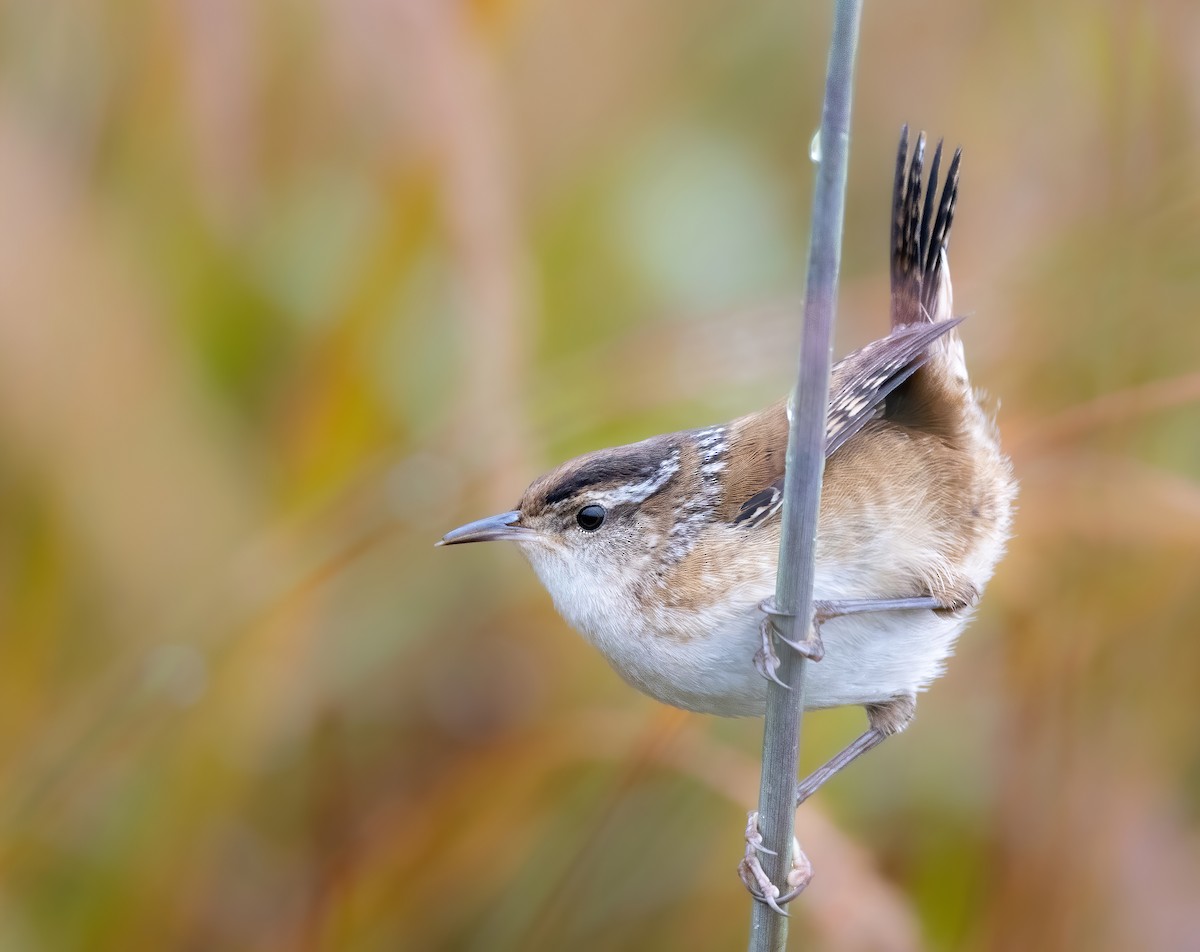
[(504, 526)]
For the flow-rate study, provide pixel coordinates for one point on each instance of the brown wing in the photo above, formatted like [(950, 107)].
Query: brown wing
[(860, 386), (863, 380)]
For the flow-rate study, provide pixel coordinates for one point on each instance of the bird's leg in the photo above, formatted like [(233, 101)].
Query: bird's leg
[(756, 878), (812, 647), (885, 719)]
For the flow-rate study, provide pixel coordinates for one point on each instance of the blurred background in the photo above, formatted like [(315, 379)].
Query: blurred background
[(289, 289)]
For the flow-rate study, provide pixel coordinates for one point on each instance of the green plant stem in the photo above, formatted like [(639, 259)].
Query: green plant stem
[(805, 468)]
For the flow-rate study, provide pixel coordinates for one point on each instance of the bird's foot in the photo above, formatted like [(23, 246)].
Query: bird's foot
[(755, 877), (811, 647)]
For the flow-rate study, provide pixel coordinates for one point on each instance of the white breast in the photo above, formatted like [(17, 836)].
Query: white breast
[(707, 664)]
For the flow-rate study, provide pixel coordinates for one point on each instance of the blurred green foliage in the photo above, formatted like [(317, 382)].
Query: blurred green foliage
[(288, 290)]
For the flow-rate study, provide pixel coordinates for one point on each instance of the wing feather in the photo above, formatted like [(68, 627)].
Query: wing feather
[(861, 385)]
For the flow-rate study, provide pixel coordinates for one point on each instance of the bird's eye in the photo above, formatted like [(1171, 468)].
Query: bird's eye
[(590, 518)]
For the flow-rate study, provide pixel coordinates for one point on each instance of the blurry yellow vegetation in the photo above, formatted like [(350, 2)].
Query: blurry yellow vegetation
[(287, 290)]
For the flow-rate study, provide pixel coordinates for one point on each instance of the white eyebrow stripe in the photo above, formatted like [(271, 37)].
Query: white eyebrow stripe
[(639, 492)]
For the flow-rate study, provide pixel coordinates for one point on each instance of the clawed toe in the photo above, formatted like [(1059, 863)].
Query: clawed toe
[(799, 875), (813, 648), (767, 665), (766, 661), (754, 839)]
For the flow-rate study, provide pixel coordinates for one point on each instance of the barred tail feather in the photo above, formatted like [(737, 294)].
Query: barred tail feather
[(921, 290)]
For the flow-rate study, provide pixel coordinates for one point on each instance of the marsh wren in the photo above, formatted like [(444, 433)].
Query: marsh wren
[(663, 554)]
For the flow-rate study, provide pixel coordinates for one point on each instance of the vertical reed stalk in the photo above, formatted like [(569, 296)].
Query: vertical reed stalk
[(805, 467)]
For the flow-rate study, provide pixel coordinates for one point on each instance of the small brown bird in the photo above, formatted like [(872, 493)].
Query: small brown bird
[(664, 552)]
